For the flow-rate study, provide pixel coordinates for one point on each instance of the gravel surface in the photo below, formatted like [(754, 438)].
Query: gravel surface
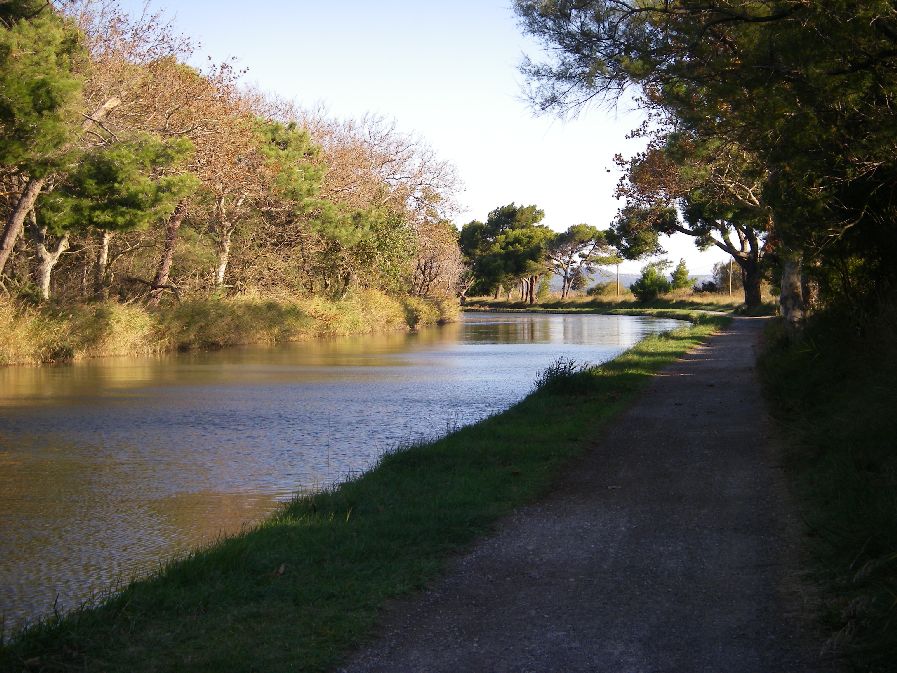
[(671, 547)]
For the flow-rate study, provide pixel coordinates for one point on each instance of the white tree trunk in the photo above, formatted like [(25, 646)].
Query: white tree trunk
[(100, 285), (223, 257), (16, 220), (48, 258)]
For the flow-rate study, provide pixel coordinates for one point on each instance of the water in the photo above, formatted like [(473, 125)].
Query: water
[(109, 466)]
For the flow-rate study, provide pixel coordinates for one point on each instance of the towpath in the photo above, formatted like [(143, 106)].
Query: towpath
[(671, 547)]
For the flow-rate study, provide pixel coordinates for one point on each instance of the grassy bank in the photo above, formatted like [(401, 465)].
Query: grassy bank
[(626, 303), (305, 587), (834, 395), (59, 333)]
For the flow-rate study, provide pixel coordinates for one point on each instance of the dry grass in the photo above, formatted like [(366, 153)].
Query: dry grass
[(58, 333)]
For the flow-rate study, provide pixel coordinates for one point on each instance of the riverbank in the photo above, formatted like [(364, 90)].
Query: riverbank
[(628, 563), (833, 394), (661, 306), (300, 590), (55, 333)]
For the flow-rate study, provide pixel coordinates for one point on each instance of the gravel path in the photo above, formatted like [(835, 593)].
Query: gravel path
[(672, 547)]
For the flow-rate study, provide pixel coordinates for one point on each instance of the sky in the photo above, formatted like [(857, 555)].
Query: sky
[(445, 71)]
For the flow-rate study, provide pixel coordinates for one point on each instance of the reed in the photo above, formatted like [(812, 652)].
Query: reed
[(54, 333)]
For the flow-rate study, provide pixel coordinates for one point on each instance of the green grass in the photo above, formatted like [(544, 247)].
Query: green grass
[(304, 588), (835, 396)]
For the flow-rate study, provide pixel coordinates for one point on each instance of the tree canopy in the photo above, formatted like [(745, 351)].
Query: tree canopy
[(800, 93), (159, 177)]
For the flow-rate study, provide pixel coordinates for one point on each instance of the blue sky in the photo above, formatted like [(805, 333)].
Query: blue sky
[(445, 71)]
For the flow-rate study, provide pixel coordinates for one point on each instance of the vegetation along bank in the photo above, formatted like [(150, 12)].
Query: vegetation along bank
[(146, 204), (833, 394)]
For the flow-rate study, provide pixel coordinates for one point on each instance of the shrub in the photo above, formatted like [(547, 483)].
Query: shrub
[(651, 283), (602, 289)]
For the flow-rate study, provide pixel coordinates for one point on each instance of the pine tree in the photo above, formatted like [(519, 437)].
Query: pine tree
[(679, 277)]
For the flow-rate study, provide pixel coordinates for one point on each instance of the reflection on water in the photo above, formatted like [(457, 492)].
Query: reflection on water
[(108, 466)]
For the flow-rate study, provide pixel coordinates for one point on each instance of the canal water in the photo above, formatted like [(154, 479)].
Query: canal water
[(109, 466)]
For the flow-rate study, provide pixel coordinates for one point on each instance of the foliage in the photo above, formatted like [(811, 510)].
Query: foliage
[(652, 282), (508, 248), (41, 59), (604, 289), (120, 187), (833, 394)]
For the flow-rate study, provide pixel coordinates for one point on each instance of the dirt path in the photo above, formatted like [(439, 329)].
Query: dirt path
[(671, 547)]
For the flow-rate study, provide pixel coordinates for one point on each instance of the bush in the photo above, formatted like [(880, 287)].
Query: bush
[(602, 289), (707, 286), (652, 282)]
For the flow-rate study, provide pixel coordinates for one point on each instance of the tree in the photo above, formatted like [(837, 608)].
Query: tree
[(285, 200), (40, 58), (724, 277), (679, 279), (576, 252), (523, 253), (496, 256), (509, 248), (121, 187), (180, 101), (438, 264), (716, 186), (808, 89)]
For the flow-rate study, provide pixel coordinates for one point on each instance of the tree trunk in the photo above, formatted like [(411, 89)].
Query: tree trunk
[(48, 258), (791, 301), (164, 268), (16, 220), (750, 279), (532, 289), (100, 285), (223, 256), (225, 233)]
